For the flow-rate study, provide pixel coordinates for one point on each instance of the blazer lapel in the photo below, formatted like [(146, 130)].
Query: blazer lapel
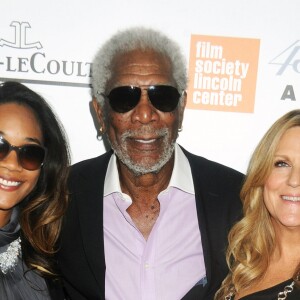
[(198, 173), (218, 208)]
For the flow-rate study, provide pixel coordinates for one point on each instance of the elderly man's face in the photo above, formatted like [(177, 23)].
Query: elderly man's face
[(142, 138)]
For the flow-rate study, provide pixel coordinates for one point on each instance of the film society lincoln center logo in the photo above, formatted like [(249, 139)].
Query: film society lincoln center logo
[(222, 73)]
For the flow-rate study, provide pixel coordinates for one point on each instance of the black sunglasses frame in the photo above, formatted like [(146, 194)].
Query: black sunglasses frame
[(123, 99), (21, 151)]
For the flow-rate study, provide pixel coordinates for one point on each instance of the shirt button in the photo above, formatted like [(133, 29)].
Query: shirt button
[(147, 266)]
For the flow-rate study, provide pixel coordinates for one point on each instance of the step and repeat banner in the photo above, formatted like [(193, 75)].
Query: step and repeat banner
[(243, 63)]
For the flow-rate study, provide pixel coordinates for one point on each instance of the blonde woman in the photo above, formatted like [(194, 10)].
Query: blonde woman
[(264, 247)]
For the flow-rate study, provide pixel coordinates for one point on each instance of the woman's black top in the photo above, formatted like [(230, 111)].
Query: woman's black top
[(272, 293), (19, 283)]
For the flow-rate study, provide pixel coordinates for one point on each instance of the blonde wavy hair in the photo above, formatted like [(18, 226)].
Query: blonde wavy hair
[(252, 239)]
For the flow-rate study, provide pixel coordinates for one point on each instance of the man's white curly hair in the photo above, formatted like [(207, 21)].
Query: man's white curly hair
[(134, 39)]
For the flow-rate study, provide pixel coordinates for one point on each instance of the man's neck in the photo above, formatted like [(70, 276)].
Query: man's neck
[(145, 187), (143, 190)]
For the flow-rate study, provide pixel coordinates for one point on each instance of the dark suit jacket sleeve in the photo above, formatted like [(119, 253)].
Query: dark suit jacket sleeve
[(56, 289), (81, 255)]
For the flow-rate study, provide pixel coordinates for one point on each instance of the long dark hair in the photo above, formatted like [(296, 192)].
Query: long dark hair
[(41, 211)]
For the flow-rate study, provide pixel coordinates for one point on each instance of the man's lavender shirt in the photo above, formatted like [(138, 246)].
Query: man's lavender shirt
[(170, 262)]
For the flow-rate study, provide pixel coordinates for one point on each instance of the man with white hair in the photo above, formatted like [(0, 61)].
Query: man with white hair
[(147, 220)]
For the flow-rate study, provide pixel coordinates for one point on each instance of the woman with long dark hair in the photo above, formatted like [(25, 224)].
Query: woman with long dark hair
[(34, 160)]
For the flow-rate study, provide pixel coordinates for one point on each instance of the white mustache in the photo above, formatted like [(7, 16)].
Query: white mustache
[(147, 131)]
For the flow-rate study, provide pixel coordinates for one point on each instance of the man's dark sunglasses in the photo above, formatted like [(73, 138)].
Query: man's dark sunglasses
[(124, 98), (30, 156)]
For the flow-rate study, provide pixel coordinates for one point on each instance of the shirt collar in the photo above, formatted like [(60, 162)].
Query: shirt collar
[(181, 177)]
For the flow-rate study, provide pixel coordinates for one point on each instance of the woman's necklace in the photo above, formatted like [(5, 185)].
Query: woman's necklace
[(287, 289), (9, 258), (281, 295)]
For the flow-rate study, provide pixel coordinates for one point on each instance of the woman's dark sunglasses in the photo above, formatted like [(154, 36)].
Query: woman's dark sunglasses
[(124, 98), (30, 156)]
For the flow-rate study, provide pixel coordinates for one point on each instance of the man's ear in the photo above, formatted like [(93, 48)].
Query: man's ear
[(100, 115)]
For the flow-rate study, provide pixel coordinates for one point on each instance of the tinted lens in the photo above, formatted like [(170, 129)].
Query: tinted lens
[(31, 157), (163, 97), (124, 98), (4, 148)]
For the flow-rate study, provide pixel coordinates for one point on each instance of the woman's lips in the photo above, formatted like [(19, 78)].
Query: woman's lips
[(9, 185), (291, 198)]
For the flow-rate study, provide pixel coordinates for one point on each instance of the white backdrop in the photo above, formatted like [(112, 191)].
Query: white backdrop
[(40, 43)]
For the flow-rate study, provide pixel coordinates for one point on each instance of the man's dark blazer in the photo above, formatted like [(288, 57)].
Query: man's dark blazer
[(81, 256)]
